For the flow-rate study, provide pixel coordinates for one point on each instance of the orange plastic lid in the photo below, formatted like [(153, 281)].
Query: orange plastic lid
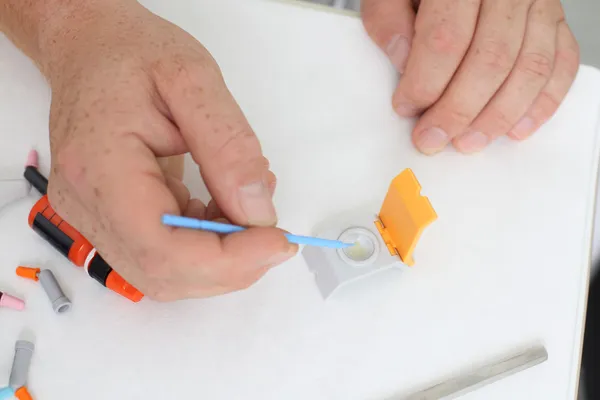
[(404, 216)]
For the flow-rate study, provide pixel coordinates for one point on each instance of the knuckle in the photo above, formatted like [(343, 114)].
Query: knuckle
[(234, 144), (536, 65), (446, 38), (568, 53), (189, 74), (415, 92), (546, 105), (570, 59), (496, 55), (455, 115), (500, 121)]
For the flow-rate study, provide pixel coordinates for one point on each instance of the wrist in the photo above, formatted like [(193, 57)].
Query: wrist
[(63, 27)]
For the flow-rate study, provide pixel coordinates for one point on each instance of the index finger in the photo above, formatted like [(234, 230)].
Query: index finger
[(443, 32)]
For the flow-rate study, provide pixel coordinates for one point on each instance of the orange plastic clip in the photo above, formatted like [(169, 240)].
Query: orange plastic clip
[(404, 216), (23, 394), (28, 273)]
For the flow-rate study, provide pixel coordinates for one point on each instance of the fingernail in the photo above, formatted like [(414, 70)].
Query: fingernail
[(431, 140), (397, 51), (280, 258), (523, 129), (472, 142), (255, 200)]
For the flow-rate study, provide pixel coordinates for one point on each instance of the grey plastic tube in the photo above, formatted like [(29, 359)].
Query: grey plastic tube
[(20, 368), (60, 302)]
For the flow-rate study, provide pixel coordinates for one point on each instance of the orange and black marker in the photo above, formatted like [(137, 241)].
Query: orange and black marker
[(69, 242)]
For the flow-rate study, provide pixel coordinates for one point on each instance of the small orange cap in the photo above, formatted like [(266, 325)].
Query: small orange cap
[(117, 284), (23, 394), (28, 273)]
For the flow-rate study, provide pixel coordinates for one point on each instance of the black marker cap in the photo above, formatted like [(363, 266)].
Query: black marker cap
[(36, 179)]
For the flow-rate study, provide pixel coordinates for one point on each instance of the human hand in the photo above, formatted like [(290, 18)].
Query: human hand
[(128, 88), (475, 70)]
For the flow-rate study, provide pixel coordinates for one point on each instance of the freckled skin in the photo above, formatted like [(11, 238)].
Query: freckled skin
[(126, 88)]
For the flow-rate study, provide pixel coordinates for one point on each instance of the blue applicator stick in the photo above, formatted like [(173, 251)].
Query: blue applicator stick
[(211, 226)]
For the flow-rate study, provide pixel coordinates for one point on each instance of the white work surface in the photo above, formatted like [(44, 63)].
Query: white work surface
[(506, 264)]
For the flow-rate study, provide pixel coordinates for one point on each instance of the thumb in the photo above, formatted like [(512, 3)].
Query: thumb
[(390, 23), (223, 145)]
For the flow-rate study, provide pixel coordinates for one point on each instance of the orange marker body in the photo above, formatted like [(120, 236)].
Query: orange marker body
[(80, 248), (69, 242)]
